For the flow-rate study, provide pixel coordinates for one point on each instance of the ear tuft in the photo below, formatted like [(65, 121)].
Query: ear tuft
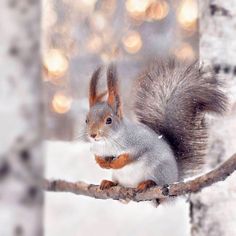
[(93, 97), (113, 90)]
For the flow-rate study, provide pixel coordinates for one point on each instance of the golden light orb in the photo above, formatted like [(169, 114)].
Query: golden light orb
[(108, 7), (61, 103), (137, 6), (185, 52), (132, 42), (157, 10), (98, 21), (188, 13), (89, 3), (55, 62), (94, 44)]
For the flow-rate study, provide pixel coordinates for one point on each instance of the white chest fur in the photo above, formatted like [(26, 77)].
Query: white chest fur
[(132, 174), (104, 148)]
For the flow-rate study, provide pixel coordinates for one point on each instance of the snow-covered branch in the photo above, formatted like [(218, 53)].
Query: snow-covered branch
[(121, 193)]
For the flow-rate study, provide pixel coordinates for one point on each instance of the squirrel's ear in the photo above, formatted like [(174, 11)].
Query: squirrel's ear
[(93, 96), (113, 90)]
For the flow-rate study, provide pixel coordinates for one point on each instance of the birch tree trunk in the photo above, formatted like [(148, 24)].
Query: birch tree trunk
[(213, 210), (21, 199)]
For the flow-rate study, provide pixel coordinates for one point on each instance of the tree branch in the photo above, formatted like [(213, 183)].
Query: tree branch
[(121, 193)]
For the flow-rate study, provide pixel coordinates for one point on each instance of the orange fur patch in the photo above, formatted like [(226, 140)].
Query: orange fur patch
[(102, 162), (117, 163), (120, 161)]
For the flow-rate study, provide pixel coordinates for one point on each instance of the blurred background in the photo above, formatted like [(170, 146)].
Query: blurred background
[(78, 36)]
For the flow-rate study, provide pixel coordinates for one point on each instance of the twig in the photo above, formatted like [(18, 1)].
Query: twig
[(121, 193)]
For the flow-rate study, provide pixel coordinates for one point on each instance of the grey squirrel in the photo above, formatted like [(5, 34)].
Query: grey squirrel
[(168, 141)]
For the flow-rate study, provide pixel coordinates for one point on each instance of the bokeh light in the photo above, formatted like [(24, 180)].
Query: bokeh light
[(55, 62), (137, 8), (108, 7), (157, 10), (188, 13), (61, 103), (89, 3), (98, 21), (78, 35), (94, 44), (185, 52), (132, 42)]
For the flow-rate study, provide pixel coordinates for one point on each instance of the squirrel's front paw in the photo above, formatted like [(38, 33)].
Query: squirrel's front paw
[(120, 161), (103, 162), (143, 186), (105, 184)]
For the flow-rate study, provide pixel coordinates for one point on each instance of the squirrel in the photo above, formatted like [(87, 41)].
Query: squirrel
[(169, 139)]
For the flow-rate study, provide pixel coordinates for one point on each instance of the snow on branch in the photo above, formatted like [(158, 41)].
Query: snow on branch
[(121, 193)]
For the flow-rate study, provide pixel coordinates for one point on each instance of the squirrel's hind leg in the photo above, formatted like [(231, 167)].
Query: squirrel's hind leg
[(106, 184), (143, 186)]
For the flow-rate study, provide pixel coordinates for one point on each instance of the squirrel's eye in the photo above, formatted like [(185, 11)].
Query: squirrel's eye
[(86, 121), (108, 121)]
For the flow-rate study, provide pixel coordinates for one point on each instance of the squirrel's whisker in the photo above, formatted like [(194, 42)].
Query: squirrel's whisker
[(80, 136)]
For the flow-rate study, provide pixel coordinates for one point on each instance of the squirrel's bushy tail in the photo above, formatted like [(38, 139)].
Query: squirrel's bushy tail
[(172, 99)]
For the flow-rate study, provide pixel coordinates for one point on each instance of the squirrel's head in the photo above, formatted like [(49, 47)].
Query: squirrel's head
[(104, 117)]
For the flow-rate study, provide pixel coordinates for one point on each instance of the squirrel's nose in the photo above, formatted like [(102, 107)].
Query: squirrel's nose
[(93, 135)]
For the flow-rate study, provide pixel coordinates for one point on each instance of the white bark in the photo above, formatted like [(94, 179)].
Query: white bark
[(213, 210), (21, 199)]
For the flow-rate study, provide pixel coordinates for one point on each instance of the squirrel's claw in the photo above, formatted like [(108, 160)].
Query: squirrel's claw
[(143, 186), (106, 184)]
